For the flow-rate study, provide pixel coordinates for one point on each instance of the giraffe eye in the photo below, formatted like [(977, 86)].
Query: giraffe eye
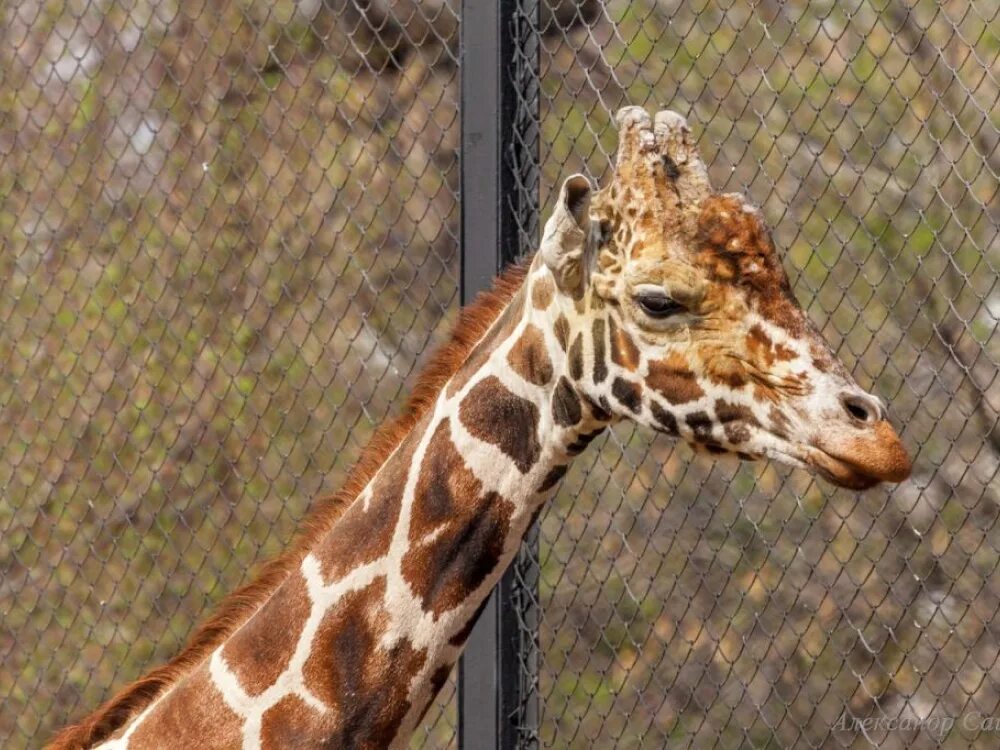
[(659, 305)]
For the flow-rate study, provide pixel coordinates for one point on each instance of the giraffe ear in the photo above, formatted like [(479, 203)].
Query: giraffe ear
[(564, 242)]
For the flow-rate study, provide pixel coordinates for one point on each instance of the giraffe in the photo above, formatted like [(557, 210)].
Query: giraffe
[(655, 300)]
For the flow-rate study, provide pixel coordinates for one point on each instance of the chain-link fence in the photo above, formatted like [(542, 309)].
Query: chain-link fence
[(230, 233)]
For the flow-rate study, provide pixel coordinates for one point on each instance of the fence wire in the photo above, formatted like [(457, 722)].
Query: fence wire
[(230, 232)]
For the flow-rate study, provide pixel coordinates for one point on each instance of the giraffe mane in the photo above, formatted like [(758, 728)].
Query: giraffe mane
[(235, 609)]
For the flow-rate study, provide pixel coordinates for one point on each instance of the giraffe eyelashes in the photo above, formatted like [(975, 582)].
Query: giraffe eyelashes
[(658, 305)]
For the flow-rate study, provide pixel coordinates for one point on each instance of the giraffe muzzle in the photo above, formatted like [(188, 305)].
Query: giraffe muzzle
[(860, 457)]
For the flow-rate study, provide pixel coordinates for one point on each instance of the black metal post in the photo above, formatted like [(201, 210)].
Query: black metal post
[(499, 192)]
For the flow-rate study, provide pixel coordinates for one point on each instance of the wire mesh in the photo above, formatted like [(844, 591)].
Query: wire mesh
[(229, 233), (691, 603)]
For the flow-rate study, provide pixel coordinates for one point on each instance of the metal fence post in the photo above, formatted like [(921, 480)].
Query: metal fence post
[(499, 194)]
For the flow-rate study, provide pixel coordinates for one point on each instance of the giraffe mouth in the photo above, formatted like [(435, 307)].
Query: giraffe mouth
[(861, 458), (835, 470), (859, 461), (855, 463), (839, 471)]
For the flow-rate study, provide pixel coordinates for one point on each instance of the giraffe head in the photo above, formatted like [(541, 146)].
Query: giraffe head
[(676, 313)]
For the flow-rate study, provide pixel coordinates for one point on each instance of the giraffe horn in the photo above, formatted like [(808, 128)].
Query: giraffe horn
[(635, 134), (681, 160), (658, 161)]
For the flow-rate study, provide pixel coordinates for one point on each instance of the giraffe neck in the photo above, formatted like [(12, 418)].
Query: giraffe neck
[(352, 647)]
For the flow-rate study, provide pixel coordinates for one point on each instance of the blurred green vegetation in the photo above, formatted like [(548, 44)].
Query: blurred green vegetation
[(229, 236)]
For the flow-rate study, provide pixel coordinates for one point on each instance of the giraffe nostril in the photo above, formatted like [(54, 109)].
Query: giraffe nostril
[(862, 407)]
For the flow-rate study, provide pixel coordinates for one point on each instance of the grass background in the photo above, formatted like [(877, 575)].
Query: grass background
[(229, 237)]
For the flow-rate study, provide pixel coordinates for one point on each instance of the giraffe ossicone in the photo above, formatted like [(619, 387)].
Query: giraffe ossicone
[(654, 300)]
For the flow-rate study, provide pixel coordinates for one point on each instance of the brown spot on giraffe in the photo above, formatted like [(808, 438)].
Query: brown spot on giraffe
[(624, 352), (446, 570), (673, 377), (600, 365), (542, 292), (822, 359), (291, 723), (561, 328), (253, 654), (349, 669), (628, 393), (701, 425), (529, 357), (576, 357), (493, 414), (666, 420), (727, 370), (566, 408), (457, 531), (579, 445), (784, 353), (763, 351), (736, 421), (205, 722), (600, 409), (556, 473), (364, 533)]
